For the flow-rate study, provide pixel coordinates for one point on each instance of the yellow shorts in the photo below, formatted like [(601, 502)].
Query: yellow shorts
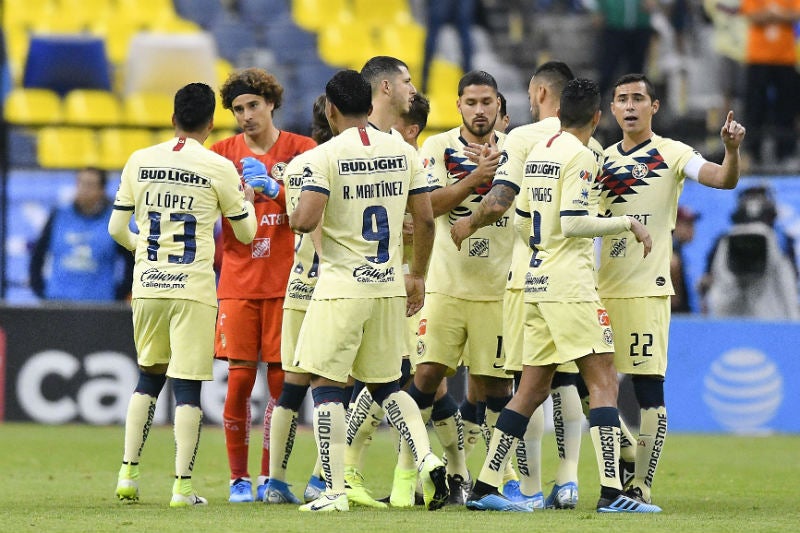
[(641, 327), (451, 327), (559, 332), (514, 332), (412, 332), (362, 337), (290, 329), (178, 333)]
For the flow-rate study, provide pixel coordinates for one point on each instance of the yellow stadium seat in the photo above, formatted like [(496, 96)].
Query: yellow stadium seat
[(63, 147), (174, 25), (88, 107), (33, 107), (117, 145), (86, 12), (405, 41), (314, 15), (153, 110), (22, 13), (57, 22), (163, 135), (345, 46), (223, 68), (17, 41), (382, 13), (118, 34), (145, 13)]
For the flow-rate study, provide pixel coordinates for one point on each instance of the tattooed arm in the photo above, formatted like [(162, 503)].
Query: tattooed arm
[(492, 207)]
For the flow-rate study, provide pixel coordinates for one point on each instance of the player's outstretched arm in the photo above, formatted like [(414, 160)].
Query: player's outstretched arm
[(492, 207), (726, 175), (308, 213), (120, 231)]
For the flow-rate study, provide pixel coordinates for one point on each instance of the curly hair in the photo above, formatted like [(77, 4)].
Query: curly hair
[(251, 81)]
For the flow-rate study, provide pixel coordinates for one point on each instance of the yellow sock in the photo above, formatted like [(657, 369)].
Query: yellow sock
[(329, 430), (652, 432), (283, 429), (627, 443), (141, 409), (450, 432), (187, 426), (491, 421), (568, 408), (606, 448), (497, 458), (365, 417), (404, 415)]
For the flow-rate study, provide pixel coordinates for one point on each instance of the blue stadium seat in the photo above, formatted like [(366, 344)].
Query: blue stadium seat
[(203, 12), (262, 12), (290, 43), (65, 62), (232, 36)]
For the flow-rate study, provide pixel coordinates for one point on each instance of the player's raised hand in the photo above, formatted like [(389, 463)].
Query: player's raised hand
[(255, 174), (415, 294), (642, 235), (732, 132)]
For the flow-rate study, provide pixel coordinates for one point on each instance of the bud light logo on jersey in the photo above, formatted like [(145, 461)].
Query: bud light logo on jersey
[(545, 169), (173, 175), (368, 166)]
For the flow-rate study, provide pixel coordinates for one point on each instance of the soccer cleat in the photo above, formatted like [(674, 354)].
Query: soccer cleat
[(459, 489), (241, 491), (357, 493), (127, 490), (624, 504), (127, 486), (261, 491), (494, 501), (314, 489), (512, 491), (182, 500), (434, 482), (636, 493), (404, 486), (328, 503), (278, 491), (627, 470), (563, 496)]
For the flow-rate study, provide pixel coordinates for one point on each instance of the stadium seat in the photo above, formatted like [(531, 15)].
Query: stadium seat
[(33, 107), (165, 63), (262, 12), (314, 15), (290, 43), (89, 107), (381, 14), (85, 12), (65, 62), (22, 13), (117, 34), (148, 109), (117, 144), (62, 147), (231, 37), (202, 12), (17, 40), (403, 40), (145, 13), (345, 46)]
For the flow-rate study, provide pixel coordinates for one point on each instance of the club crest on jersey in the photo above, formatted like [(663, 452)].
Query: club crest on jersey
[(618, 247), (602, 317), (639, 171), (608, 336), (278, 169), (478, 247)]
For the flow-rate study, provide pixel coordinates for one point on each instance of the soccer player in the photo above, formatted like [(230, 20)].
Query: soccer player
[(564, 318), (643, 176), (176, 191), (302, 279), (358, 186), (544, 94), (463, 310), (253, 277)]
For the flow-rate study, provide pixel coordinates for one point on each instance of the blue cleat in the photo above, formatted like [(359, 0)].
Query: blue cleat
[(563, 496), (241, 491), (278, 492), (624, 504), (512, 491), (261, 490), (314, 489), (494, 501)]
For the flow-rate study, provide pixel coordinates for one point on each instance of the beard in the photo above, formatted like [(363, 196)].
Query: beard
[(480, 131)]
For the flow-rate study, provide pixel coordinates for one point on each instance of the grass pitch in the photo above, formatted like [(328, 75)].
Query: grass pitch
[(62, 478)]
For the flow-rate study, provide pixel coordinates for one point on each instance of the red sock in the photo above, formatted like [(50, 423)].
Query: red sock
[(275, 383), (236, 418)]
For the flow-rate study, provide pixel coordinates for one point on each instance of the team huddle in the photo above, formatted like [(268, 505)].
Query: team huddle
[(369, 269)]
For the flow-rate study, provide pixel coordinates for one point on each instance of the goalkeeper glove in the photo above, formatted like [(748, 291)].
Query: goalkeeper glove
[(255, 175)]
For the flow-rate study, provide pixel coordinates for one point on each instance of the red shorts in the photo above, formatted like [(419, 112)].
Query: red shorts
[(249, 330)]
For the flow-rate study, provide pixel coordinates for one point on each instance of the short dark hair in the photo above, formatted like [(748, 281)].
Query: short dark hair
[(251, 81), (503, 110), (556, 74), (418, 111), (381, 67), (101, 174), (320, 128), (476, 77), (634, 78), (350, 93), (580, 100), (194, 106)]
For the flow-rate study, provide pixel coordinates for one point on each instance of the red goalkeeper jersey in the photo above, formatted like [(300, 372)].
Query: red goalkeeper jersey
[(260, 269)]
